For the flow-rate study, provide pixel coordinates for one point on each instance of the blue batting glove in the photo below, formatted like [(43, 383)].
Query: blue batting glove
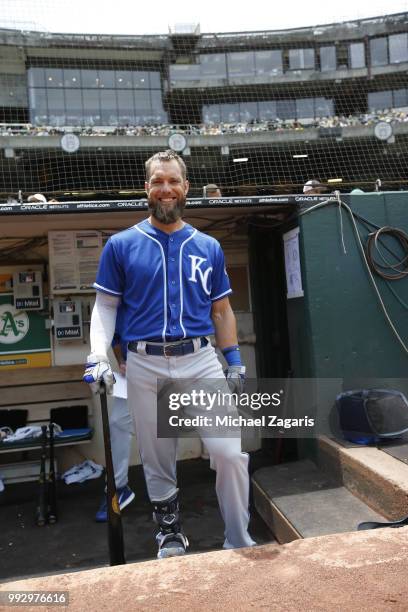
[(98, 370)]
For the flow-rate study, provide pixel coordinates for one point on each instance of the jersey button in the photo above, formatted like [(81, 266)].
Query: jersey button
[(173, 282), (171, 239), (172, 259)]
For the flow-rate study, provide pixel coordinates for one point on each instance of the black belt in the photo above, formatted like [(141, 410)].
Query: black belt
[(168, 349)]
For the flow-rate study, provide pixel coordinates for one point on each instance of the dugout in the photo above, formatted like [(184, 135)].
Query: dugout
[(316, 318)]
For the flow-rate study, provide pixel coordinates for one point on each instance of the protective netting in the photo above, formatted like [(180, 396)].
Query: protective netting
[(254, 113)]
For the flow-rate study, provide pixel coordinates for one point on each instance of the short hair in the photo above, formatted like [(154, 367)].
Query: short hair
[(165, 156), (209, 188)]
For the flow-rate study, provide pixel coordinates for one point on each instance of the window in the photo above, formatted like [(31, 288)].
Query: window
[(126, 107), (357, 55), (36, 77), (184, 72), (379, 52), (300, 59), (398, 48), (38, 106), (324, 107), (241, 64), (286, 109), (248, 111), (107, 79), (379, 100), (400, 97), (73, 105), (91, 107), (56, 107), (89, 78), (229, 113), (141, 79), (268, 62), (123, 79), (54, 77), (213, 66), (109, 108), (327, 58), (211, 113), (305, 108), (142, 106), (155, 80), (72, 78), (267, 110)]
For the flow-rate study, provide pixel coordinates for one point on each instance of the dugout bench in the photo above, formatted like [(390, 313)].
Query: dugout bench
[(38, 396)]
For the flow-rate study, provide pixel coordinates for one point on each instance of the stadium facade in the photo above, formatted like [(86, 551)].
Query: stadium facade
[(298, 104)]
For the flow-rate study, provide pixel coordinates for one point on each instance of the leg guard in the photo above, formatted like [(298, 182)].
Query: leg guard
[(171, 540)]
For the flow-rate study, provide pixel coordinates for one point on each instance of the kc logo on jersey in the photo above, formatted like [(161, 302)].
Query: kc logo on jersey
[(196, 263)]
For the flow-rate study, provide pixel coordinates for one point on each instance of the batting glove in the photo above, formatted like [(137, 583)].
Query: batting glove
[(235, 376), (98, 370)]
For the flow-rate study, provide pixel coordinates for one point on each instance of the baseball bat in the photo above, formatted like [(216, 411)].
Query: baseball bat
[(115, 529), (41, 517), (52, 516)]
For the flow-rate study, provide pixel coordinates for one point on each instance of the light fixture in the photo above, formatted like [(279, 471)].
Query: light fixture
[(239, 160), (335, 180), (302, 156)]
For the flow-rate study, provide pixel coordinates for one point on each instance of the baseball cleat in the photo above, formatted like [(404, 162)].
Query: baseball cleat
[(171, 545)]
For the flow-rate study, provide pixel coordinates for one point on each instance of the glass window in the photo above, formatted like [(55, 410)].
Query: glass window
[(357, 55), (107, 79), (54, 77), (211, 113), (56, 106), (156, 99), (89, 78), (213, 66), (378, 50), (38, 106), (185, 72), (398, 48), (241, 64), (142, 106), (286, 109), (141, 80), (123, 79), (300, 59), (109, 109), (36, 77), (91, 106), (379, 100), (229, 113), (72, 78), (267, 110), (73, 106), (328, 58), (400, 98), (126, 109), (155, 80), (324, 107), (268, 62), (248, 111), (305, 108)]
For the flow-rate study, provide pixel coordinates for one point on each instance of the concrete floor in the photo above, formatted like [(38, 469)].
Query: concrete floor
[(76, 541)]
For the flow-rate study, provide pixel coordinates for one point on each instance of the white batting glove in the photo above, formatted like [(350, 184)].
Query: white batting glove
[(235, 376), (98, 370)]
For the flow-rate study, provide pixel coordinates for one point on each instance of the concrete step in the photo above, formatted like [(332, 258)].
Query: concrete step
[(299, 500), (374, 476)]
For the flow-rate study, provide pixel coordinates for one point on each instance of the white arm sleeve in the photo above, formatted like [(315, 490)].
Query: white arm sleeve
[(103, 324)]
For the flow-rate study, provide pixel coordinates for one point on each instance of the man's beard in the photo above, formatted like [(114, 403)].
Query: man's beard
[(167, 215)]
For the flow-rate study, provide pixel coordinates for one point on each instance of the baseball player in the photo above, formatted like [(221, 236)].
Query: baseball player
[(173, 287), (121, 429)]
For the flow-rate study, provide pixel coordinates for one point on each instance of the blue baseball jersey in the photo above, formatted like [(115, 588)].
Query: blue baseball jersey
[(167, 282)]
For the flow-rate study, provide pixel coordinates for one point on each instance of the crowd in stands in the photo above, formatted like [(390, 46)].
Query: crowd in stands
[(209, 129)]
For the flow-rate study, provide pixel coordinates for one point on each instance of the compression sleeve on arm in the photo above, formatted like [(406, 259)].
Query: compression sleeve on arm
[(103, 322)]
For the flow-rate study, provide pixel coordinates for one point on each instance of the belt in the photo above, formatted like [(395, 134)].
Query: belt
[(168, 349)]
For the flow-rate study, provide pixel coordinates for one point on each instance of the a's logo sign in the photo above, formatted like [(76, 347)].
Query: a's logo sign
[(196, 263), (14, 324)]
